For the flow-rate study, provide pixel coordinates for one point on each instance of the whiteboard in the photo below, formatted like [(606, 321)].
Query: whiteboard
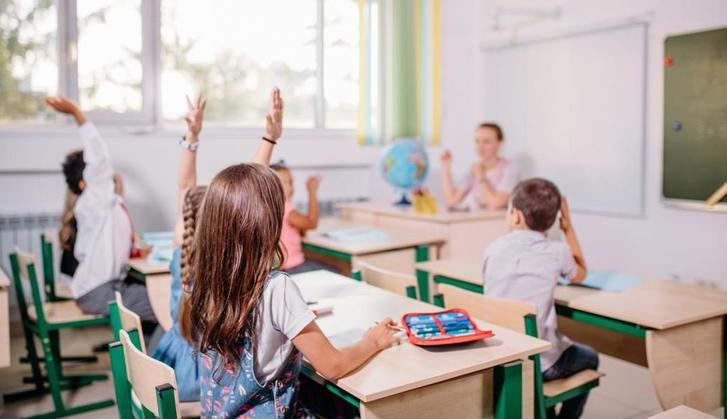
[(573, 112)]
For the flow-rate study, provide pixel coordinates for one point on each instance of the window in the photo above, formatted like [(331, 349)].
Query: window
[(134, 60), (28, 69), (109, 55)]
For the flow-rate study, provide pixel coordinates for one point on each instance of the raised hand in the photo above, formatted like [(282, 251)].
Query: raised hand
[(312, 184), (66, 106), (274, 117), (383, 334), (195, 116), (565, 223)]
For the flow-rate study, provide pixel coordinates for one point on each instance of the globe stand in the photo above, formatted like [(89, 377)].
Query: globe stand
[(403, 202)]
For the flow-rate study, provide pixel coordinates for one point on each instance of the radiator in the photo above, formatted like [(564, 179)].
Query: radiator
[(23, 231)]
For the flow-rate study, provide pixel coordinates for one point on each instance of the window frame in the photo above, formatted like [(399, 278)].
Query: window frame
[(150, 116)]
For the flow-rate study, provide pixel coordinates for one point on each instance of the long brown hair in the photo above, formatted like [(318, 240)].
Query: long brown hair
[(190, 212), (69, 228), (237, 244)]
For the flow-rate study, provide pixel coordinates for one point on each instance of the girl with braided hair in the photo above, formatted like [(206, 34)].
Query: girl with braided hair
[(175, 348)]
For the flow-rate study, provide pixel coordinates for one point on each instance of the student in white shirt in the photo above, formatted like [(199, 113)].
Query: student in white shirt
[(525, 265), (104, 233)]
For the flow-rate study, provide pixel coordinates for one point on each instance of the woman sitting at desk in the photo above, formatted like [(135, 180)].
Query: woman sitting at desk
[(490, 180)]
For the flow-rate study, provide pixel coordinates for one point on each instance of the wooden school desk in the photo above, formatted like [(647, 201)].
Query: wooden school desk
[(4, 320), (410, 381), (467, 233), (158, 283), (398, 250), (676, 330)]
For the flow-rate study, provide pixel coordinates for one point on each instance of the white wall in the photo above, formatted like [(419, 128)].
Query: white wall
[(664, 242)]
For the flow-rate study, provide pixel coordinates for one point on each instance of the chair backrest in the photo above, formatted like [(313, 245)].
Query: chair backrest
[(22, 265), (396, 282), (152, 382), (124, 319), (49, 272), (507, 313)]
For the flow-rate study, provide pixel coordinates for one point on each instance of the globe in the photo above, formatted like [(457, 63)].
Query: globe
[(405, 166)]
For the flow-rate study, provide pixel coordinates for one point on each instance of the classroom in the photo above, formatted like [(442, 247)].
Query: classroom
[(363, 209)]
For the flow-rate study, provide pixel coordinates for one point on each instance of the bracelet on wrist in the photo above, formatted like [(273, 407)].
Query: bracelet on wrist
[(187, 145), (264, 138)]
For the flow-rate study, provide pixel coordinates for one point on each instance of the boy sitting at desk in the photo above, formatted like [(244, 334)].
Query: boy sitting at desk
[(525, 265)]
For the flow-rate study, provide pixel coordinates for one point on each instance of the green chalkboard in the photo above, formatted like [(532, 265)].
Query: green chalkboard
[(695, 115)]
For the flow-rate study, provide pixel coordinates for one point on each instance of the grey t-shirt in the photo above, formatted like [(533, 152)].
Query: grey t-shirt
[(283, 315), (525, 265)]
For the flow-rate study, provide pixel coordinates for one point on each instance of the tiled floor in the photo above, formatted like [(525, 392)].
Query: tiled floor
[(625, 392)]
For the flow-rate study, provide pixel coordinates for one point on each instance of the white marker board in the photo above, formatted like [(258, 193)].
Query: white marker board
[(573, 111)]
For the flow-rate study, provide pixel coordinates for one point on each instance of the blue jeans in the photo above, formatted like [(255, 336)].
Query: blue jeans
[(577, 357)]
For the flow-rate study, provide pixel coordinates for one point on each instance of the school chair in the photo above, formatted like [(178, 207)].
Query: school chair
[(127, 402), (395, 282), (46, 248), (44, 320), (520, 317), (151, 383)]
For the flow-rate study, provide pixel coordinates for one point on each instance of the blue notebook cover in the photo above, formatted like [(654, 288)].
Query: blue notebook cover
[(606, 281)]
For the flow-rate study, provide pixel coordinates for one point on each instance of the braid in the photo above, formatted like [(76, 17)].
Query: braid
[(190, 212)]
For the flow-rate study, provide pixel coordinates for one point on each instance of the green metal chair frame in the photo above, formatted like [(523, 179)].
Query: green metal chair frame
[(165, 393), (542, 402), (48, 334), (49, 287)]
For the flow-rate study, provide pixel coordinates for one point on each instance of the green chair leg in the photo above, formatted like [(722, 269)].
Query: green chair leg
[(508, 391), (165, 401)]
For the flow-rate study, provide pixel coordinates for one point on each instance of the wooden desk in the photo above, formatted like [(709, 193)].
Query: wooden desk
[(4, 320), (467, 233), (407, 380), (398, 251), (158, 283), (676, 330)]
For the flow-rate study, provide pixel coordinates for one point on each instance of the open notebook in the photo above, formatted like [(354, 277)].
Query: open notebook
[(606, 281)]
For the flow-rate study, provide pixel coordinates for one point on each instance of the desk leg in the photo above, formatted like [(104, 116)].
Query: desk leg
[(464, 397), (423, 285), (508, 391), (686, 364), (422, 255)]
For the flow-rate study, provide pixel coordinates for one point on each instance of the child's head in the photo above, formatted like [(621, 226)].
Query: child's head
[(286, 178), (237, 244), (534, 205), (190, 212), (73, 167), (488, 139)]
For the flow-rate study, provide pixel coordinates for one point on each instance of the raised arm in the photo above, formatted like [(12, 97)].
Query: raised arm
[(187, 177), (335, 363), (452, 195), (308, 221), (273, 129), (572, 240)]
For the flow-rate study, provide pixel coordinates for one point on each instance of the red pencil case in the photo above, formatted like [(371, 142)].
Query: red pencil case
[(446, 327)]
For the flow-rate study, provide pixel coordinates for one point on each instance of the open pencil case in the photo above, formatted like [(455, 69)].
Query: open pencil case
[(442, 328)]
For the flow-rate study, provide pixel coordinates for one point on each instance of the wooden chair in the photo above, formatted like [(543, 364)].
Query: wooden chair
[(520, 317), (391, 281), (49, 287), (44, 321), (151, 383), (125, 320)]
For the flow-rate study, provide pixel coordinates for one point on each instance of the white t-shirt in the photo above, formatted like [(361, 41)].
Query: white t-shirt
[(283, 315), (525, 265), (501, 178)]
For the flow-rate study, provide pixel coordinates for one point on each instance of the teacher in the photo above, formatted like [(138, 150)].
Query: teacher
[(490, 180)]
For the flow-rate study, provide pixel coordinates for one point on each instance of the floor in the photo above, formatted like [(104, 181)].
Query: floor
[(625, 392)]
